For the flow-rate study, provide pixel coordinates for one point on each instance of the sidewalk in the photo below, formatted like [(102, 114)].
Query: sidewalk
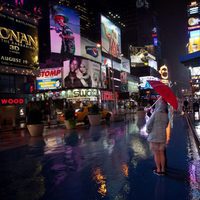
[(109, 150)]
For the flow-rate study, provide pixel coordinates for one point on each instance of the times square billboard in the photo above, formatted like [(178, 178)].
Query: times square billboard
[(110, 37), (49, 78), (81, 73), (64, 30), (18, 42), (194, 27)]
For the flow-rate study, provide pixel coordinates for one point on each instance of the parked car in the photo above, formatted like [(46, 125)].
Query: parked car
[(82, 114)]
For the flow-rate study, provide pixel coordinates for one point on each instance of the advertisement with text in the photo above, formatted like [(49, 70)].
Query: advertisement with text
[(18, 42), (50, 78), (89, 50)]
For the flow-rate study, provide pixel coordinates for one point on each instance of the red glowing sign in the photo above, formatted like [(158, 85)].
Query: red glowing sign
[(50, 73), (12, 101), (108, 96)]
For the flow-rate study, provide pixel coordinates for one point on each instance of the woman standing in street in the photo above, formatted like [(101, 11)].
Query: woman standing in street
[(156, 127)]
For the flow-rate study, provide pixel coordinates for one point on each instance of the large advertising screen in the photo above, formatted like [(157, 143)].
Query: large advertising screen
[(144, 84), (89, 50), (49, 78), (81, 73), (18, 42), (64, 30), (108, 63), (194, 44), (125, 65), (110, 37)]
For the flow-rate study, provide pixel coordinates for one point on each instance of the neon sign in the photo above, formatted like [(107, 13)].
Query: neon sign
[(12, 101)]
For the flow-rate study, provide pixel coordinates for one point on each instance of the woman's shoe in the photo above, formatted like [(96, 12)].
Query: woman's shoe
[(157, 173), (163, 173)]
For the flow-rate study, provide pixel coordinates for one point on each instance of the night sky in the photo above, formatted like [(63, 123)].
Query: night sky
[(173, 25)]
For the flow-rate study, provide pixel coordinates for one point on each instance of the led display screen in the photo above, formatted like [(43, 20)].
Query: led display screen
[(125, 65), (194, 44), (110, 37), (81, 73), (132, 86), (64, 30), (108, 63), (195, 33), (18, 42), (49, 79), (89, 50), (144, 84)]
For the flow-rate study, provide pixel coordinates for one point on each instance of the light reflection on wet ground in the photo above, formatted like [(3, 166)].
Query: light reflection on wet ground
[(102, 162)]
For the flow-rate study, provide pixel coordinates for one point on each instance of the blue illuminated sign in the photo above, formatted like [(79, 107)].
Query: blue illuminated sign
[(195, 33), (155, 41)]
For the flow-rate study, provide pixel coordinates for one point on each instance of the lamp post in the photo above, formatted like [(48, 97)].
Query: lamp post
[(113, 85)]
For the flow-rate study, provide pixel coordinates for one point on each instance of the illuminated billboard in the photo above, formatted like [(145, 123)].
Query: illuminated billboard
[(125, 66), (132, 86), (110, 37), (81, 73), (108, 63), (194, 44), (64, 30), (18, 42), (195, 33), (50, 78), (89, 50), (144, 84)]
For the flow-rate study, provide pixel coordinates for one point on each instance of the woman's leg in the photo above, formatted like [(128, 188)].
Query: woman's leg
[(157, 161), (162, 160)]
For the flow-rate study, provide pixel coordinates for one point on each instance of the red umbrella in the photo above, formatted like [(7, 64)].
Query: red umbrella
[(166, 93)]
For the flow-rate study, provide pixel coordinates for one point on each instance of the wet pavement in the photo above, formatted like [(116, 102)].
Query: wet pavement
[(107, 162)]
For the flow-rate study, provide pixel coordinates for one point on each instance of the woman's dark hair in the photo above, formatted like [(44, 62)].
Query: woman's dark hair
[(76, 59)]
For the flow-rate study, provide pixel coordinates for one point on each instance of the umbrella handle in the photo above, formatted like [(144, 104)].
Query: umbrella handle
[(155, 102)]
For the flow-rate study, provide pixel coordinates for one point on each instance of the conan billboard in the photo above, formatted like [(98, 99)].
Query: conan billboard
[(64, 30), (18, 42), (110, 37)]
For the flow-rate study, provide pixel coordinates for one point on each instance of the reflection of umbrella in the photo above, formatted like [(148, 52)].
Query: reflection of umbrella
[(166, 93)]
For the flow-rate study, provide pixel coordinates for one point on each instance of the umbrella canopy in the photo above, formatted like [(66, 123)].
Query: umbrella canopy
[(166, 93)]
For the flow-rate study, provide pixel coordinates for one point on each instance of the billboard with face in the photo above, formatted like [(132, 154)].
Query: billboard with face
[(18, 42), (194, 44), (110, 37), (81, 73), (64, 30), (89, 50)]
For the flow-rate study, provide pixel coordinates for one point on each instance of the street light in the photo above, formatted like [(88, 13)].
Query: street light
[(113, 85)]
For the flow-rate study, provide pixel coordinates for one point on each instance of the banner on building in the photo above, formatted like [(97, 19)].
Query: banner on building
[(81, 73), (18, 42), (64, 30)]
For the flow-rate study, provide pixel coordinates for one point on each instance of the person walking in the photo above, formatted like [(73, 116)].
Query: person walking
[(156, 128)]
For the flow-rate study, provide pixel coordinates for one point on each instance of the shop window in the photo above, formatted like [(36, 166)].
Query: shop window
[(7, 84)]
